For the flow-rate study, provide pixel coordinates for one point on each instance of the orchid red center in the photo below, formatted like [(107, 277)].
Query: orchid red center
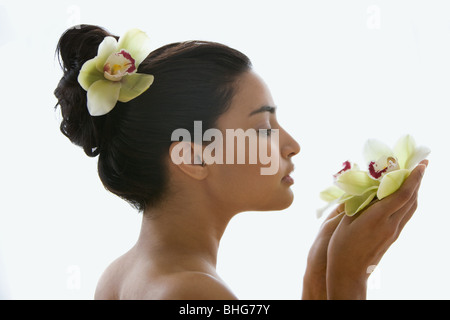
[(347, 166), (118, 65), (382, 166)]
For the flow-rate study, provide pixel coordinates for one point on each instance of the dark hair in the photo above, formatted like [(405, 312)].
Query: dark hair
[(194, 81)]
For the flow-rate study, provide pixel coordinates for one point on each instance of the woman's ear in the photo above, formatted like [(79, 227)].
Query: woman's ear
[(189, 159)]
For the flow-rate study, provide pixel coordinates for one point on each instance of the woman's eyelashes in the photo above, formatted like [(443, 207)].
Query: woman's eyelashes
[(265, 132)]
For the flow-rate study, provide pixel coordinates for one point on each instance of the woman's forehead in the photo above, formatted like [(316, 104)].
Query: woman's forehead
[(251, 94)]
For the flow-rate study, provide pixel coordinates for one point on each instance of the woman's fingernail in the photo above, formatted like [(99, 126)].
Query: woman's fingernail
[(422, 168)]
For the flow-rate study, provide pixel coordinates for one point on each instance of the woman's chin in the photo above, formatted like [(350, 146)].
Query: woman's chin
[(282, 202), (288, 200)]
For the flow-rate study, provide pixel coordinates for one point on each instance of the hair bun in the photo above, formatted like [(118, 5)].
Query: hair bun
[(76, 46)]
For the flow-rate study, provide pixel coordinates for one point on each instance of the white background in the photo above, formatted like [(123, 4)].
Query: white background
[(340, 71)]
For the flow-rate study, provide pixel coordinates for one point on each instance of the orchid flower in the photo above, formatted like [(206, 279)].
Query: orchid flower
[(387, 170), (112, 75)]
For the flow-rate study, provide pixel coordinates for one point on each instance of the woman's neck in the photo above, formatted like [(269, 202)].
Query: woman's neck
[(186, 232)]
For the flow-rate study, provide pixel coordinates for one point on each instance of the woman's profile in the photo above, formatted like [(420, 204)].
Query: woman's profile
[(187, 205)]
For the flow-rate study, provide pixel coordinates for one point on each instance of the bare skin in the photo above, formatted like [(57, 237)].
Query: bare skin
[(176, 253)]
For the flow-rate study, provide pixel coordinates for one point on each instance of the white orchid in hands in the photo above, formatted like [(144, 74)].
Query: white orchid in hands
[(111, 76), (387, 170)]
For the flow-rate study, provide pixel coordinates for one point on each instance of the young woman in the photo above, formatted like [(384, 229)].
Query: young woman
[(187, 205)]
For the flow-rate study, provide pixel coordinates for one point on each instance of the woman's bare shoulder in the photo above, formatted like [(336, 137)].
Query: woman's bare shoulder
[(127, 279), (109, 282), (193, 285)]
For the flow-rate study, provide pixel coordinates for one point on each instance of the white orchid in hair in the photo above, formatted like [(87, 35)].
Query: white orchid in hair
[(112, 75)]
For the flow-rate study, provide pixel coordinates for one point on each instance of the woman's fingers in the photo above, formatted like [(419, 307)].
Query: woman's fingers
[(339, 209), (404, 215), (394, 203), (407, 216), (396, 207), (332, 221)]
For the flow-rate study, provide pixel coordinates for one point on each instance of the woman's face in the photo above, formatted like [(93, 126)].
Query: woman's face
[(248, 186)]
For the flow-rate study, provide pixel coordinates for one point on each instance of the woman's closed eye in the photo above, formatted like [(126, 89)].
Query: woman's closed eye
[(265, 132)]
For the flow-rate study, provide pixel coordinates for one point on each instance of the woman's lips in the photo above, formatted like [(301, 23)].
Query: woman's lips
[(288, 179)]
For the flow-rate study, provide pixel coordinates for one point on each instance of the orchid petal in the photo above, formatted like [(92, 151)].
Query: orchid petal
[(341, 199), (356, 182), (320, 212), (89, 74), (344, 198), (134, 85), (332, 193), (374, 150), (105, 49), (403, 149), (391, 182), (358, 203), (420, 153), (137, 43), (102, 97)]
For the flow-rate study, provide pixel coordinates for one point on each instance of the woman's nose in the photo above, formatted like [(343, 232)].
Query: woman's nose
[(289, 147)]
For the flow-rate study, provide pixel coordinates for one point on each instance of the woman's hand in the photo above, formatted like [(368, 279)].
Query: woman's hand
[(314, 281), (358, 243)]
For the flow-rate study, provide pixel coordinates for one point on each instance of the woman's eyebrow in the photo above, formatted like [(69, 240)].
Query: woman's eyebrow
[(263, 109)]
